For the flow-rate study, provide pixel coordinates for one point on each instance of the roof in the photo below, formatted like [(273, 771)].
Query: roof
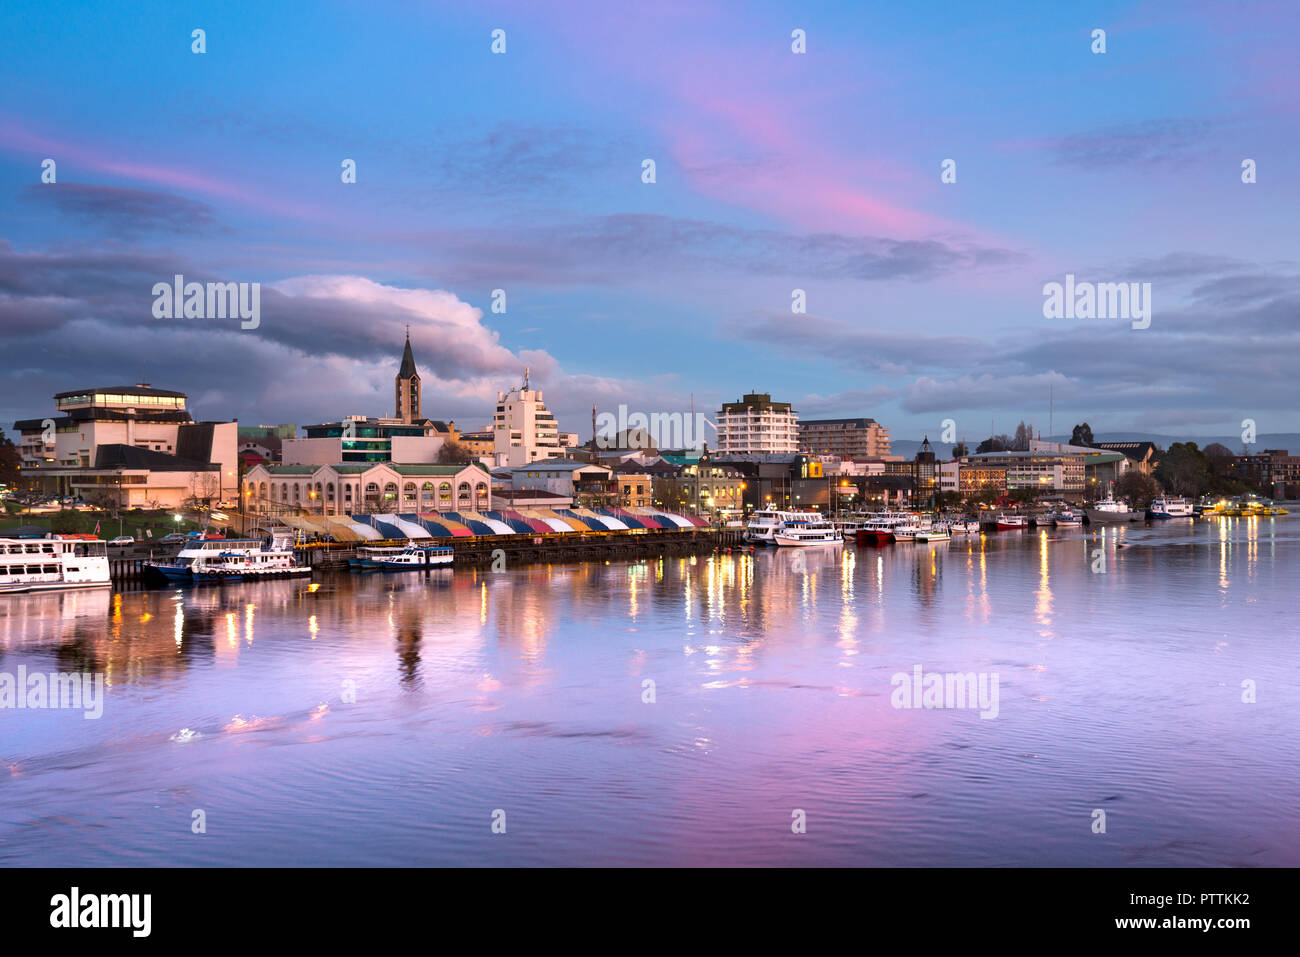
[(118, 456), (1134, 450), (857, 423), (553, 465), (122, 390)]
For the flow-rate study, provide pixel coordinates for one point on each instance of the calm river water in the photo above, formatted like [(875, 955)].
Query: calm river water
[(390, 719)]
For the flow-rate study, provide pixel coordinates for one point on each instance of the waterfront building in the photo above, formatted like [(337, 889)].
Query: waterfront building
[(523, 429), (757, 426), (847, 438), (366, 488), (1044, 471), (95, 448), (1276, 472), (925, 471)]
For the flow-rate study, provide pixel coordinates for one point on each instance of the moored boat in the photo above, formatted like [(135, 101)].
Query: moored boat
[(209, 560), (417, 556), (1109, 511), (1068, 518), (51, 564), (1011, 520), (1168, 506), (806, 528)]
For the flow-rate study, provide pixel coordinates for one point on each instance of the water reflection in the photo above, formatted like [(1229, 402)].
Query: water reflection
[(772, 672)]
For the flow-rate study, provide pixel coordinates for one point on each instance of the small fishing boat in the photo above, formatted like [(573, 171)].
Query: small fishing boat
[(1068, 518), (1011, 520)]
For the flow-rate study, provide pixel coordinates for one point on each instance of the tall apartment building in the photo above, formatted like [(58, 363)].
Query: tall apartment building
[(847, 438), (757, 425), (523, 429)]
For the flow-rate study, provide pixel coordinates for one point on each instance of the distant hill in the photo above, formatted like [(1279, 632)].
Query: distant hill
[(1266, 440)]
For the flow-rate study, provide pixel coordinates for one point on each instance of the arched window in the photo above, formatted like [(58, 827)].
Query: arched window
[(462, 493), (408, 493), (480, 496), (444, 492), (329, 491), (390, 492)]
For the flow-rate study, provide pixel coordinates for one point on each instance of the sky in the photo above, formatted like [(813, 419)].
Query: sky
[(774, 171)]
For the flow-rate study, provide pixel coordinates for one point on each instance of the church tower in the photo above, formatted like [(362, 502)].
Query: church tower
[(408, 385)]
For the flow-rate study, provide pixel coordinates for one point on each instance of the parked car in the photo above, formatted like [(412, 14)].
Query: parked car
[(174, 537), (122, 540)]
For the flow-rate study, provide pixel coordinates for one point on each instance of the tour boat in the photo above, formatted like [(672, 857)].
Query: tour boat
[(807, 529), (1171, 507), (935, 533), (908, 530), (417, 556), (1008, 520), (51, 564), (231, 559)]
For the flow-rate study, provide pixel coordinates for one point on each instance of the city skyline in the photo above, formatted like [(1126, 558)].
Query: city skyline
[(478, 171)]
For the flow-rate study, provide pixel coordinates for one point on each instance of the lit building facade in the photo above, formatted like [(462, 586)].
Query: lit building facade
[(757, 425)]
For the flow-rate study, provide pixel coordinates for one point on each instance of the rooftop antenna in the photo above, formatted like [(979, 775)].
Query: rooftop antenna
[(525, 378), (1050, 411)]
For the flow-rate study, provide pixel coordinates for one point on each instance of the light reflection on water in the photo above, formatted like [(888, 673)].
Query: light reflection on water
[(522, 690)]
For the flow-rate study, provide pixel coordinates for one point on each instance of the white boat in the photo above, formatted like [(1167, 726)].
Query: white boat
[(1171, 507), (908, 531), (1011, 520), (1109, 511), (935, 533), (369, 556), (417, 556), (231, 559), (51, 564), (807, 529), (765, 523)]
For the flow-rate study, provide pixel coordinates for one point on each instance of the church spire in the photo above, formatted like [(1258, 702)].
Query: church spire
[(408, 385)]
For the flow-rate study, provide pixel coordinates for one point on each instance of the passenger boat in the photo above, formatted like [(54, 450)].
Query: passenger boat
[(764, 524), (51, 564), (231, 559), (935, 533), (1171, 507), (1068, 518), (807, 529), (369, 556), (1010, 520), (1109, 512), (417, 556)]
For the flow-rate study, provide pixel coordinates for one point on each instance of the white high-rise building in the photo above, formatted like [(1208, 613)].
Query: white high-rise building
[(523, 429), (757, 425)]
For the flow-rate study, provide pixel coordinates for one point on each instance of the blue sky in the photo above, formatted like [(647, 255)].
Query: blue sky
[(775, 171)]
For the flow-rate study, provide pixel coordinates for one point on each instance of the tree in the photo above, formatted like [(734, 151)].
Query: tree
[(10, 461), (1023, 434), (994, 443), (959, 450), (1082, 435), (1184, 470), (1137, 487), (453, 453)]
